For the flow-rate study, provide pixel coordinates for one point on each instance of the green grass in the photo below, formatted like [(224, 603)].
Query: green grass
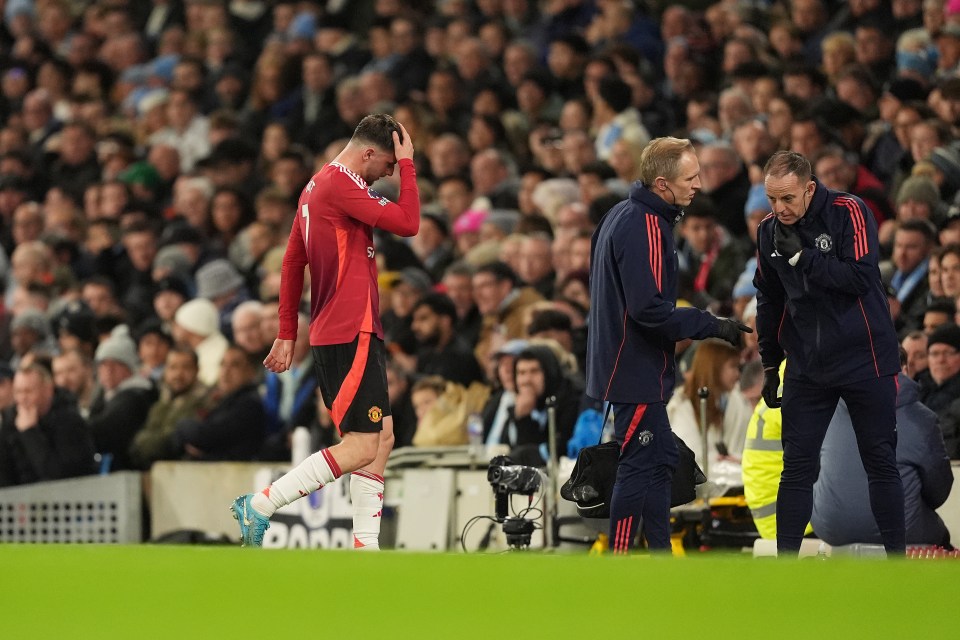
[(172, 592)]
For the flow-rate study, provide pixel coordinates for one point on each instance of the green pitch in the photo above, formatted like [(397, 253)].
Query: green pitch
[(137, 592)]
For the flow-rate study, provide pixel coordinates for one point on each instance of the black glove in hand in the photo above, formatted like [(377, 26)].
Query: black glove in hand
[(771, 384), (786, 240), (730, 330)]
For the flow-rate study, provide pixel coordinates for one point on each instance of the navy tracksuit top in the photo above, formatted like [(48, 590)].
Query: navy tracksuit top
[(634, 322), (830, 311)]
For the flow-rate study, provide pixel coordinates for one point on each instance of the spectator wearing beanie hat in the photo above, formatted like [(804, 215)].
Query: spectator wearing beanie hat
[(940, 383), (196, 324), (918, 197), (219, 282), (120, 406), (946, 161)]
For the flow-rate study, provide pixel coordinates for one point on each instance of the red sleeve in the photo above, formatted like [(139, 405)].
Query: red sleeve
[(291, 282), (371, 208)]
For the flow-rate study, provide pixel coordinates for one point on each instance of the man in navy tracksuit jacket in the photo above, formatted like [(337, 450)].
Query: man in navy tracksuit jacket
[(634, 325), (820, 300)]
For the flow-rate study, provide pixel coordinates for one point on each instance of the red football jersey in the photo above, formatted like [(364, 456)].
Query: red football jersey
[(333, 235)]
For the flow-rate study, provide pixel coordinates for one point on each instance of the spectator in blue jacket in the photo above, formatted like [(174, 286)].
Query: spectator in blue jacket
[(841, 494), (820, 299), (634, 327)]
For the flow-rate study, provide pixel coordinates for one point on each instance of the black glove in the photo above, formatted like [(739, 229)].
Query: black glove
[(730, 330), (786, 240), (771, 384)]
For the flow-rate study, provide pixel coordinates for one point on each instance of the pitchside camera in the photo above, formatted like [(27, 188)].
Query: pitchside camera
[(508, 478)]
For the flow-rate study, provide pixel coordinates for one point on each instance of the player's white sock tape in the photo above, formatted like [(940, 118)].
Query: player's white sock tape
[(366, 494)]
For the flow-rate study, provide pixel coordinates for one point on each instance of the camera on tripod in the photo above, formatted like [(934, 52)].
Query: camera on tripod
[(508, 479)]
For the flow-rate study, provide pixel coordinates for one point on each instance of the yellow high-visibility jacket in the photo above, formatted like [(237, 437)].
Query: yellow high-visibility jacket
[(763, 463)]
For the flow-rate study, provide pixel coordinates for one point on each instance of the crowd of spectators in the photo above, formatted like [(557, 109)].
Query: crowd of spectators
[(152, 154)]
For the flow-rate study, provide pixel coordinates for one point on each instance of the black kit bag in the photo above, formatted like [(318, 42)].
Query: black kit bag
[(591, 482)]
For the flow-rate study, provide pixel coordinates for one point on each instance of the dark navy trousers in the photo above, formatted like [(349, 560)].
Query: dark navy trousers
[(648, 457), (807, 410)]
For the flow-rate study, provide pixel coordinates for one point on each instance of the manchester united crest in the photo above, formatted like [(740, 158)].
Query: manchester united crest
[(375, 414), (824, 243)]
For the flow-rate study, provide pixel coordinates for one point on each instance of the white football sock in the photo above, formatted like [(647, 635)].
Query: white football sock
[(310, 475), (366, 494)]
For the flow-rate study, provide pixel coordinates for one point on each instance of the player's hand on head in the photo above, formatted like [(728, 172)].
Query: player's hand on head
[(403, 149)]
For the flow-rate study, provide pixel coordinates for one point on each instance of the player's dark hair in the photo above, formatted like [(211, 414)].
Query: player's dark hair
[(377, 129)]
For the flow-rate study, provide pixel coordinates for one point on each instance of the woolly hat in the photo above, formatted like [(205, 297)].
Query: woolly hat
[(919, 189), (503, 219), (948, 334), (417, 279), (198, 316), (174, 259), (119, 347), (469, 221), (31, 319), (948, 162), (217, 278)]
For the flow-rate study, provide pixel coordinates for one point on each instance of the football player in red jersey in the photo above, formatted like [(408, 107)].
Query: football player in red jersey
[(332, 235)]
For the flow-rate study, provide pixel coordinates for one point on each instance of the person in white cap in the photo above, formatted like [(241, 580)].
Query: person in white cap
[(197, 325)]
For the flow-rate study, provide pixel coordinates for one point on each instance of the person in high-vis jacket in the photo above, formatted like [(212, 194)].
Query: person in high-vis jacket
[(762, 463), (634, 327), (821, 301)]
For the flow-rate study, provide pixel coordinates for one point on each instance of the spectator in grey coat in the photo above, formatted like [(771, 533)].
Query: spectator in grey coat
[(841, 503)]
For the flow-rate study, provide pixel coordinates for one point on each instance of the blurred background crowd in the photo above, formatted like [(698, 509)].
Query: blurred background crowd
[(152, 154)]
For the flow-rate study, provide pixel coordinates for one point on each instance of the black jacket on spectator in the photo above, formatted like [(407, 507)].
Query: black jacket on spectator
[(410, 72), (527, 433), (59, 446), (938, 397), (115, 422), (950, 428), (232, 430), (730, 199), (74, 179), (455, 363), (913, 307), (322, 130)]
